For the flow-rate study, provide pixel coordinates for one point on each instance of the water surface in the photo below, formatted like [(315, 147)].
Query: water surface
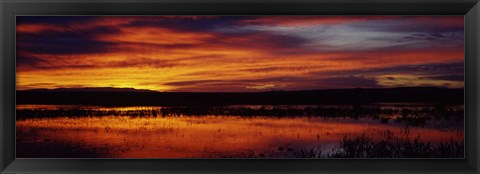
[(239, 131)]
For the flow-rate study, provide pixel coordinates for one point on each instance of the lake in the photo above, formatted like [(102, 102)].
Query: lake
[(382, 130)]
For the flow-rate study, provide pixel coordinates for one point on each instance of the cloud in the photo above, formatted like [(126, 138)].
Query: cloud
[(458, 78), (141, 62), (297, 21), (132, 62), (239, 53), (349, 82), (71, 42), (28, 60), (262, 42), (190, 83), (368, 33), (424, 69), (390, 78), (405, 24)]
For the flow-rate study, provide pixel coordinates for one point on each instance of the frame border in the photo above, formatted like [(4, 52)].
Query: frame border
[(11, 8)]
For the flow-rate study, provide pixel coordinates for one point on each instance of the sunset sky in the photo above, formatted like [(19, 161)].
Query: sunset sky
[(239, 53)]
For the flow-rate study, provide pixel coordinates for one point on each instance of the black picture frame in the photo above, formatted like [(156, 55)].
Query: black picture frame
[(11, 8)]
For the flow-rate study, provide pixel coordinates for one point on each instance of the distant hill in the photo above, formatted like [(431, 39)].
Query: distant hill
[(130, 96)]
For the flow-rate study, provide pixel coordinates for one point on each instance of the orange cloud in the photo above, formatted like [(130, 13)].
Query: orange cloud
[(167, 54)]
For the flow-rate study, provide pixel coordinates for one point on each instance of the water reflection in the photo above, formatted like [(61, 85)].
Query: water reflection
[(228, 131)]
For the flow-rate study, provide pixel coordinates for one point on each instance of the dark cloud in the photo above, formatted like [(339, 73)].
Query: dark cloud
[(29, 61), (264, 41), (458, 78), (46, 66), (348, 82), (59, 46), (153, 46), (141, 62), (189, 23), (417, 24), (427, 27), (433, 69), (436, 36), (128, 63), (69, 42), (438, 68)]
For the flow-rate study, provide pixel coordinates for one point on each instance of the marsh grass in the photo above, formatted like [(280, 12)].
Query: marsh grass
[(390, 147), (363, 147), (417, 116)]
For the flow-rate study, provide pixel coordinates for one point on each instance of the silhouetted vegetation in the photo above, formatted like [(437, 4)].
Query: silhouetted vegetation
[(364, 147), (391, 147), (149, 98), (413, 115)]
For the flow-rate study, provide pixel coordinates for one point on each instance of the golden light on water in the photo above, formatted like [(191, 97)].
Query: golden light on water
[(209, 136)]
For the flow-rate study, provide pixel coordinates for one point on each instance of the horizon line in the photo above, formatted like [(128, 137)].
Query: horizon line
[(115, 89)]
